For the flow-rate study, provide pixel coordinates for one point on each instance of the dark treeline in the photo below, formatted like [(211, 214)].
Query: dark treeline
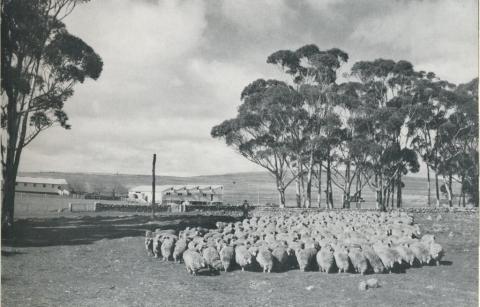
[(369, 131)]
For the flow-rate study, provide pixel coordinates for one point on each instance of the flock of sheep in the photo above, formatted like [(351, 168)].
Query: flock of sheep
[(364, 242)]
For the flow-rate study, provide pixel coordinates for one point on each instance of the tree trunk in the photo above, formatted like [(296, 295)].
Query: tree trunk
[(298, 187), (437, 190), (346, 194), (8, 202), (399, 190), (309, 182), (393, 194), (377, 195), (449, 192), (281, 191), (9, 167), (429, 187), (450, 199), (281, 197), (320, 185), (387, 200), (380, 192), (153, 184), (358, 191), (297, 192), (329, 186)]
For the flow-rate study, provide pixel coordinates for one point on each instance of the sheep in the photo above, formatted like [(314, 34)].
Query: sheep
[(149, 242), (265, 259), (341, 259), (212, 258), (385, 254), (421, 252), (311, 243), (305, 258), (167, 248), (428, 238), (227, 254), (323, 239), (325, 259), (192, 245), (436, 252), (358, 260), (280, 258), (180, 247), (156, 246), (193, 261), (374, 261), (242, 256), (406, 253)]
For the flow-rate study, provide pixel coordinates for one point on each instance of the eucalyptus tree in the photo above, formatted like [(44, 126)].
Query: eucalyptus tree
[(430, 99), (388, 105), (41, 63), (457, 142), (349, 150), (314, 72), (467, 114), (259, 131)]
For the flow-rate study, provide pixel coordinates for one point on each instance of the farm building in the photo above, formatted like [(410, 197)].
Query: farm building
[(194, 194), (42, 185)]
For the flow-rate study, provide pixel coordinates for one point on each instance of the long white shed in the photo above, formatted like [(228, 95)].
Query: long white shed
[(194, 194)]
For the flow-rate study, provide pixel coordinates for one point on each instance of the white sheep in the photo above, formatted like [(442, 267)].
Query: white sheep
[(149, 242), (436, 252), (227, 254), (265, 259), (341, 259), (212, 258), (280, 258), (180, 247), (167, 248), (358, 260), (242, 256), (373, 259), (193, 261), (325, 259)]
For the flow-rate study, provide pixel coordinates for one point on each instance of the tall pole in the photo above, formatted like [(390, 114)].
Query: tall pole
[(258, 196), (153, 184)]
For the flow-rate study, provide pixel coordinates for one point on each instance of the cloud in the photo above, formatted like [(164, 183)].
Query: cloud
[(441, 37), (256, 16), (175, 68), (225, 81), (141, 33)]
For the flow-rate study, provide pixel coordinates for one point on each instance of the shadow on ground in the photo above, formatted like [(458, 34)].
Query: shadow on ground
[(88, 229)]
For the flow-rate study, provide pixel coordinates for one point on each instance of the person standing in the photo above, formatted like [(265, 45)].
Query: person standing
[(245, 208)]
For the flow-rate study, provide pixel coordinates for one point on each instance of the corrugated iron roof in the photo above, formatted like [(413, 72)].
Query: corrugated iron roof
[(41, 180)]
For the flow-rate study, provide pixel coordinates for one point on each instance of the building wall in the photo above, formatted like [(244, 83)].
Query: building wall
[(39, 188), (167, 197)]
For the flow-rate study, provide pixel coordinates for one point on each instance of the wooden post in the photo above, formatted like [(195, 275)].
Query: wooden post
[(153, 184)]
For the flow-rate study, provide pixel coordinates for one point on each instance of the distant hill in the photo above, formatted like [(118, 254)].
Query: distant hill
[(252, 186)]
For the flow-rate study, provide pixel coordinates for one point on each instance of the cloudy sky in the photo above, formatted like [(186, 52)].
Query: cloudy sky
[(173, 69)]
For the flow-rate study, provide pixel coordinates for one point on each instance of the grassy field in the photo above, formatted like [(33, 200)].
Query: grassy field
[(253, 187), (100, 261)]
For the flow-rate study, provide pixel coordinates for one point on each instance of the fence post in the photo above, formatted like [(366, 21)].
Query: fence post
[(70, 207)]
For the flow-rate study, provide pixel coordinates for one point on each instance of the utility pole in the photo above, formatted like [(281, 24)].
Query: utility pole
[(153, 184), (258, 195)]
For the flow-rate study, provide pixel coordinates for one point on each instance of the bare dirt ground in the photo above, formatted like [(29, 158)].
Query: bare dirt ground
[(101, 261)]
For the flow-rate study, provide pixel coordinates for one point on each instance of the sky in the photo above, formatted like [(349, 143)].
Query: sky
[(174, 69)]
